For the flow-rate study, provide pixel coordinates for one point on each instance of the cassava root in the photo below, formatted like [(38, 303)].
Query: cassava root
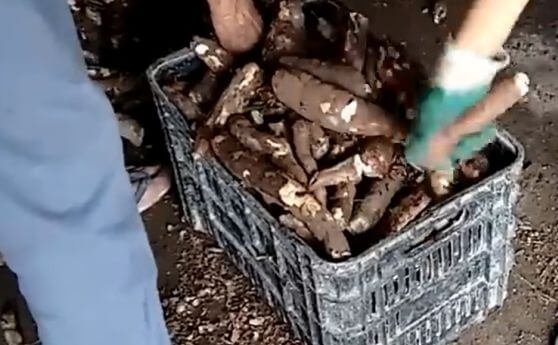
[(258, 173), (332, 107)]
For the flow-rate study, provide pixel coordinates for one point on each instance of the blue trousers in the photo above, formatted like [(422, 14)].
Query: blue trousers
[(68, 222)]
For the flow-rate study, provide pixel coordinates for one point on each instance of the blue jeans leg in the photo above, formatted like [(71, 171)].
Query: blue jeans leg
[(68, 222)]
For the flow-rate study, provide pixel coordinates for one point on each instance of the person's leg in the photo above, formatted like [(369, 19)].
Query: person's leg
[(69, 226)]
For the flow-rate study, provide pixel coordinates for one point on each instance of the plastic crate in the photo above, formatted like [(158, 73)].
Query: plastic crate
[(179, 136), (443, 273)]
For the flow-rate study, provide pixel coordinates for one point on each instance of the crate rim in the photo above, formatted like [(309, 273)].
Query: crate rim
[(406, 234)]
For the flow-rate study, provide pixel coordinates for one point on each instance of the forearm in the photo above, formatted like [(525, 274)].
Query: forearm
[(488, 24)]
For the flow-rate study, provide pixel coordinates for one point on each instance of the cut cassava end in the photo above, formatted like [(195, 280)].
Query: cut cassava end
[(408, 209), (340, 75), (215, 57), (238, 94), (278, 149), (261, 175), (287, 35), (372, 208), (333, 108), (356, 41)]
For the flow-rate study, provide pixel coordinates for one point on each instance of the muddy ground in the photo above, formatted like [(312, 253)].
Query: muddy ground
[(207, 301)]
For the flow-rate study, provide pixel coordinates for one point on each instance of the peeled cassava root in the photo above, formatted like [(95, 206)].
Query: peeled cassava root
[(333, 108)]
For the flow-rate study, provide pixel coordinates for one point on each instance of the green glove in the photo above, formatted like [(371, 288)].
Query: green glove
[(462, 79)]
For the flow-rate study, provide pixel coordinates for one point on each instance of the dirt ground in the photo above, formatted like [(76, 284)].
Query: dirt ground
[(207, 301)]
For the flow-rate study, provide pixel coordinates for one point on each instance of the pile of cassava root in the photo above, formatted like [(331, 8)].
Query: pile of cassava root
[(314, 120)]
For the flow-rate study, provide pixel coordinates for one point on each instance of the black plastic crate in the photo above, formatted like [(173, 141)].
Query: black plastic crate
[(445, 272), (179, 136)]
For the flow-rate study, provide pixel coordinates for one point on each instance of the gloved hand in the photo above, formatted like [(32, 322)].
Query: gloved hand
[(461, 80)]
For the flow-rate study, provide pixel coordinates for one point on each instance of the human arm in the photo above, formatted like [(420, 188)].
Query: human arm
[(462, 78)]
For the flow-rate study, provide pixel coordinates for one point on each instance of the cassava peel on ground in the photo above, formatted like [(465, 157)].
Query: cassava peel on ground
[(215, 57), (238, 94), (287, 34), (260, 174), (408, 209), (333, 108), (277, 148), (343, 76), (356, 41), (377, 200)]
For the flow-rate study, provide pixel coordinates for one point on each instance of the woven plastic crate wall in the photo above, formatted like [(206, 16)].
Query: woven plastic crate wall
[(179, 136), (424, 286)]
